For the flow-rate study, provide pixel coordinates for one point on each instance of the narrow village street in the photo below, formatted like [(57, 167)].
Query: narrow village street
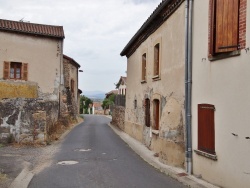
[(102, 160)]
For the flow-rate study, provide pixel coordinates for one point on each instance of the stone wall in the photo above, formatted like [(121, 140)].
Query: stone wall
[(27, 120), (118, 116)]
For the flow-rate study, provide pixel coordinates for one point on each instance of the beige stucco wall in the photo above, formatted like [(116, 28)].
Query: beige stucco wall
[(43, 55), (225, 84), (169, 90)]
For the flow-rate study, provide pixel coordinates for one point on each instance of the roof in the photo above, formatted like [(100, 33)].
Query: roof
[(32, 28), (71, 60), (79, 91), (122, 79), (162, 12), (111, 92)]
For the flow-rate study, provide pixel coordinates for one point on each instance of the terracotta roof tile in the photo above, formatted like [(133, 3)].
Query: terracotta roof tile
[(32, 28)]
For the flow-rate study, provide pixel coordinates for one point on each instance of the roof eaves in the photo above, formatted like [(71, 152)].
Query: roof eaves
[(71, 60), (155, 13)]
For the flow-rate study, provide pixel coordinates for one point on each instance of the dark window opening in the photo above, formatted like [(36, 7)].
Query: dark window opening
[(15, 70), (156, 114), (147, 112), (144, 66), (157, 60)]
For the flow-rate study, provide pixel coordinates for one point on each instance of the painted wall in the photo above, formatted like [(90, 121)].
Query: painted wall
[(169, 90), (43, 55), (225, 84), (10, 89)]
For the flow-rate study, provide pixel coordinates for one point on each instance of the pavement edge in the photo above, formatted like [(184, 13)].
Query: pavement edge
[(148, 156)]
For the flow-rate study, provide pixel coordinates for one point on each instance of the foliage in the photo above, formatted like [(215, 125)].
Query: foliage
[(84, 104), (108, 101)]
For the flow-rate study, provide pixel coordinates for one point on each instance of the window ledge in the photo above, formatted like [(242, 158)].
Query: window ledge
[(207, 155), (143, 81), (156, 132), (224, 55), (156, 77)]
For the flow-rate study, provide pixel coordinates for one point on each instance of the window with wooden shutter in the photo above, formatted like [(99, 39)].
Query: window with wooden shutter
[(6, 70), (25, 71), (147, 112), (224, 26), (206, 134), (157, 59), (144, 68), (156, 114)]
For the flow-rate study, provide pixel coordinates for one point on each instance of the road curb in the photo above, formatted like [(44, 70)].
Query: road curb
[(148, 156), (23, 179)]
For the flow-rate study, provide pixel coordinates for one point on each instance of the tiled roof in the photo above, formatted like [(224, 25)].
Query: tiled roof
[(32, 28)]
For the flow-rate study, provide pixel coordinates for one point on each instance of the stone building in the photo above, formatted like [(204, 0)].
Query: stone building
[(70, 98), (31, 57), (154, 112)]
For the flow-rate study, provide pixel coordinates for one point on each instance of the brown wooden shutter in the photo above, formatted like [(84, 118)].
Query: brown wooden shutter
[(156, 59), (226, 25), (25, 71), (157, 114), (144, 67), (6, 70), (206, 138), (147, 112)]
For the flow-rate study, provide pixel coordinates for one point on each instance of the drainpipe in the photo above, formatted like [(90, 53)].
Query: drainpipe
[(188, 82)]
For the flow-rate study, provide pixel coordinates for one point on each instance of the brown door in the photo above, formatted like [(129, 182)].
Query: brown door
[(147, 112)]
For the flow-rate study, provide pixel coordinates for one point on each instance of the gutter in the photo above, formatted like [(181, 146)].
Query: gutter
[(146, 24), (188, 83)]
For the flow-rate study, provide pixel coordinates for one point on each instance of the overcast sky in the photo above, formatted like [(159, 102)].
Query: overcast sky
[(96, 31)]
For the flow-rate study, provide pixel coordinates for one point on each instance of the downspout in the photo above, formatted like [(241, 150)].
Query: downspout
[(188, 82)]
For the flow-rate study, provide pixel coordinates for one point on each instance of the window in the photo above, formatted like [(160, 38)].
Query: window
[(72, 85), (144, 67), (156, 114), (227, 26), (15, 70), (157, 60), (147, 112), (135, 104), (206, 136)]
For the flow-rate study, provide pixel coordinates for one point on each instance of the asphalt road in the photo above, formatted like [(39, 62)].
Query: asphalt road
[(104, 160)]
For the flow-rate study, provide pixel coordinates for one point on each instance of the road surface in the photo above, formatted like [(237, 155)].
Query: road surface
[(93, 156)]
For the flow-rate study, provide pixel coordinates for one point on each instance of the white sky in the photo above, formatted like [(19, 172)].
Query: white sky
[(96, 31)]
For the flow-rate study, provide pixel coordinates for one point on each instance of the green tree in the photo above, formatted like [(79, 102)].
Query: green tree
[(84, 104), (108, 101)]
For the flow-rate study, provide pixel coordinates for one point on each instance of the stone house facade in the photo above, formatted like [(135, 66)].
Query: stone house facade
[(154, 112), (70, 102), (220, 92), (31, 60)]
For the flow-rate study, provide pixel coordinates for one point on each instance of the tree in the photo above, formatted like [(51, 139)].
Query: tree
[(84, 104), (108, 101)]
